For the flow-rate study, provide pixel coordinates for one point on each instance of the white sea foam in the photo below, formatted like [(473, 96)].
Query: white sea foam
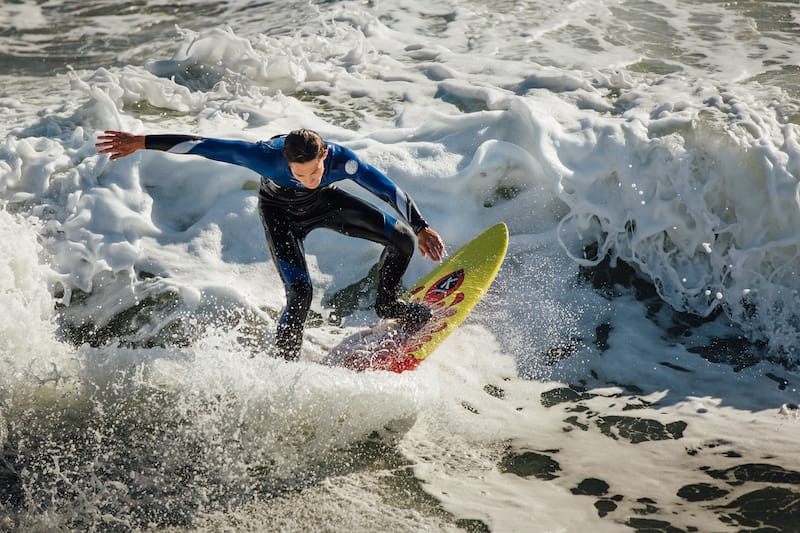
[(27, 323)]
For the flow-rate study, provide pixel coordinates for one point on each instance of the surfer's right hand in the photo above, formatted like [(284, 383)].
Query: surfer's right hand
[(431, 244), (119, 143)]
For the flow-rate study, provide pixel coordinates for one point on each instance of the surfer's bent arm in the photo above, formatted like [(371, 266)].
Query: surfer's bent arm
[(378, 184), (428, 240)]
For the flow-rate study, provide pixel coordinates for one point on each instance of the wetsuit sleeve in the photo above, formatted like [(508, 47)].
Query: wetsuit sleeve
[(378, 184), (166, 142), (241, 153)]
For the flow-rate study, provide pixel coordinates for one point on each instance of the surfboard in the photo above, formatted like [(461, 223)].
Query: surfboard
[(451, 290)]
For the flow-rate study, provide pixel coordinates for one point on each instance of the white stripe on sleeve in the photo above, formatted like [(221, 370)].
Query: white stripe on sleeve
[(184, 147)]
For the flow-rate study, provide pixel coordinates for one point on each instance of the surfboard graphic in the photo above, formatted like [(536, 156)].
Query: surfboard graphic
[(451, 290)]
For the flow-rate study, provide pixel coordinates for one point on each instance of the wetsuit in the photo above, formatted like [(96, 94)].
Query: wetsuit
[(289, 211)]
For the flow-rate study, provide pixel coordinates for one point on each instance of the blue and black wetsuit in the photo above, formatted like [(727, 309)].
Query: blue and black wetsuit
[(289, 211)]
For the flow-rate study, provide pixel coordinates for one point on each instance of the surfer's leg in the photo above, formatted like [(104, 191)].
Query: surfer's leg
[(391, 268), (286, 247), (354, 217)]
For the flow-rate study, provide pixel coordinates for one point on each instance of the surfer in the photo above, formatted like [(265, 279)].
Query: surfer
[(298, 193)]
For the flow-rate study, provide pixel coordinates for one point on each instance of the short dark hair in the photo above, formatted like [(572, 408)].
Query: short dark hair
[(301, 146)]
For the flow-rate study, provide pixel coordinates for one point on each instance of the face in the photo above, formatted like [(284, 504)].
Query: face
[(310, 172)]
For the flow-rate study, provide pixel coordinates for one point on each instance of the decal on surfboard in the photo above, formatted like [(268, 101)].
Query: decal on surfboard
[(444, 287)]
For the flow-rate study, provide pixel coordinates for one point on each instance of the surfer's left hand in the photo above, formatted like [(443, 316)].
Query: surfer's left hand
[(431, 244)]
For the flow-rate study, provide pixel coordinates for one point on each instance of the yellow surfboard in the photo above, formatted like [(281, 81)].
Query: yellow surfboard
[(451, 290)]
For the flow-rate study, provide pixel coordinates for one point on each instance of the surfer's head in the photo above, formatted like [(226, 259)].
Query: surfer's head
[(305, 152), (301, 146)]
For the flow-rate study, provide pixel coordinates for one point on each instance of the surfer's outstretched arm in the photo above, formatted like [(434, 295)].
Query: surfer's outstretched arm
[(255, 156)]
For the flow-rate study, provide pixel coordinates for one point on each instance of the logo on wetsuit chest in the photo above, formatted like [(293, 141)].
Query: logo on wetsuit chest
[(351, 167)]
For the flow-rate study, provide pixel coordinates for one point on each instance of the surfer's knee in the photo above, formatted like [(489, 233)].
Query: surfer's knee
[(403, 240)]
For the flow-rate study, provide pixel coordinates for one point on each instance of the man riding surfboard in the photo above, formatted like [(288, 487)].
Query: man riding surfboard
[(298, 193)]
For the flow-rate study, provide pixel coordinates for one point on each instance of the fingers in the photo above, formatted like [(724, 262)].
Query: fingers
[(431, 245), (107, 140), (109, 148), (433, 256), (435, 250), (109, 136), (117, 143)]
